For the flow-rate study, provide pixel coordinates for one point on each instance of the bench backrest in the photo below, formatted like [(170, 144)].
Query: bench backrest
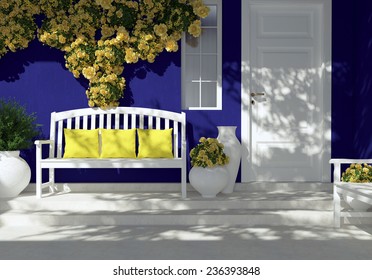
[(118, 118)]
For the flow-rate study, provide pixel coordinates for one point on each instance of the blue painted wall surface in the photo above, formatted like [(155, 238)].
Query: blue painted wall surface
[(37, 78)]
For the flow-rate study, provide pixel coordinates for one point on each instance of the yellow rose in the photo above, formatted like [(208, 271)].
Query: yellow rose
[(195, 29), (171, 46), (161, 30), (202, 11), (89, 72)]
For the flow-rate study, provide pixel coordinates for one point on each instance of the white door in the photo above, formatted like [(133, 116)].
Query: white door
[(284, 90)]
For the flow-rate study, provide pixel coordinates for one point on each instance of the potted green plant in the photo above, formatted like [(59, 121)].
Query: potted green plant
[(17, 129), (208, 174)]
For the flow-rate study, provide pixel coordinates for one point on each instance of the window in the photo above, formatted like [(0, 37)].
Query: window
[(202, 63)]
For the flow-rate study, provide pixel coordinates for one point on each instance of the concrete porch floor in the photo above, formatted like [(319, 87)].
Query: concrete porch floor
[(274, 222)]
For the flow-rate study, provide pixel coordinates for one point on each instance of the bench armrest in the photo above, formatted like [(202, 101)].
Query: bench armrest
[(39, 146), (349, 160), (42, 142), (337, 165)]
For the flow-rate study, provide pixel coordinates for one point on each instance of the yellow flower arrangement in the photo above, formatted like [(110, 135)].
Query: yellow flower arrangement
[(99, 36), (357, 173), (208, 153)]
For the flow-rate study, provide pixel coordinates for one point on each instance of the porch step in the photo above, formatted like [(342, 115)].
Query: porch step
[(166, 217), (88, 202), (246, 207)]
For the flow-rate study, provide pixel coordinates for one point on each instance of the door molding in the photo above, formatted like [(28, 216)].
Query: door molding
[(325, 70)]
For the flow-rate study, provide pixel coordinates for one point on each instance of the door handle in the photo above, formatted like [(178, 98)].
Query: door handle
[(253, 94)]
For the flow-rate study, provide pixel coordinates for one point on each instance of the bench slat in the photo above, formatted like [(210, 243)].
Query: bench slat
[(150, 120), (59, 141), (157, 126), (125, 121), (175, 139), (117, 121), (134, 120), (141, 121), (108, 121), (77, 122), (93, 122), (101, 121), (69, 121), (85, 122)]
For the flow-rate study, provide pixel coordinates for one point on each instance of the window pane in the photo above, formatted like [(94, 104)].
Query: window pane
[(193, 67), (211, 19), (208, 94), (209, 40), (192, 44), (192, 95), (209, 67)]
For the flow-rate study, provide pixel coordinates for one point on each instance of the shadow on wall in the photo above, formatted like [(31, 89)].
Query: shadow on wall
[(12, 65), (141, 69)]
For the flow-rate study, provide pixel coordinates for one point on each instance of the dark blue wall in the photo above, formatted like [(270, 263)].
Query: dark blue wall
[(37, 78), (352, 79)]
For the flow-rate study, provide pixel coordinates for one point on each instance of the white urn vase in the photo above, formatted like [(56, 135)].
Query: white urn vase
[(209, 181), (232, 148), (15, 174)]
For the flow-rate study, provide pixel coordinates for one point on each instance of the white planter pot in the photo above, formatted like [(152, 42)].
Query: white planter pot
[(15, 174), (209, 181), (232, 148)]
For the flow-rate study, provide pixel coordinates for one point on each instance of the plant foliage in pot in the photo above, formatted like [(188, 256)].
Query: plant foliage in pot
[(17, 129), (208, 174)]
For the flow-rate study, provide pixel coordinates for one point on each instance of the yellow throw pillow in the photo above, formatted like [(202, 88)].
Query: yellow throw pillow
[(118, 143), (155, 143), (81, 143)]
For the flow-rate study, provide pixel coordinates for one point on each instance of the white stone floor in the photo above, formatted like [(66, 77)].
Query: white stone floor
[(185, 242)]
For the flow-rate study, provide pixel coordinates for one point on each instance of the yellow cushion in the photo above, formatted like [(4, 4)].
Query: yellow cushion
[(81, 143), (118, 143), (155, 143)]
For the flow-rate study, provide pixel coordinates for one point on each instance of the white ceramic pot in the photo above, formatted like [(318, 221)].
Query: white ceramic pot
[(232, 148), (209, 181), (15, 174)]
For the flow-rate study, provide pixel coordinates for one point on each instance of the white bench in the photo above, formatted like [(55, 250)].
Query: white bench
[(361, 192), (117, 118)]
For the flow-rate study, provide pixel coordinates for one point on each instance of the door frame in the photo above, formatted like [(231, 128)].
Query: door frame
[(326, 72)]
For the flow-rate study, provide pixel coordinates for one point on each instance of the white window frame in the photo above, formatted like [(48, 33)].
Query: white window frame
[(218, 106)]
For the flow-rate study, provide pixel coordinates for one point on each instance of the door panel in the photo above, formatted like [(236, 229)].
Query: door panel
[(284, 60)]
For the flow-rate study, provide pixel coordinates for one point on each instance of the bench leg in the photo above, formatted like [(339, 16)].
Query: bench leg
[(336, 208), (52, 186)]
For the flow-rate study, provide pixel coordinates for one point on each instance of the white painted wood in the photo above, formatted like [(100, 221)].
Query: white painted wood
[(77, 123), (126, 121), (361, 191), (108, 121), (117, 121), (85, 122), (134, 120), (202, 63), (101, 121), (69, 121), (59, 119), (59, 143), (285, 51)]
